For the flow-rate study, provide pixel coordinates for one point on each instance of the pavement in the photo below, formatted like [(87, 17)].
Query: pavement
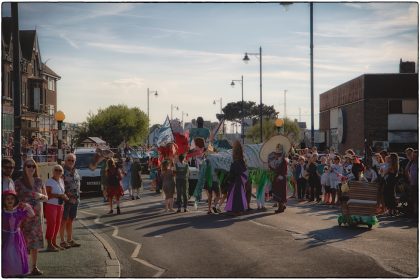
[(93, 259)]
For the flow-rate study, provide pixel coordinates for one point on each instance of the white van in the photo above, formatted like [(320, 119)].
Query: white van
[(90, 179)]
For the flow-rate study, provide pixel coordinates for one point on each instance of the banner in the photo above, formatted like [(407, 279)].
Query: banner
[(165, 135)]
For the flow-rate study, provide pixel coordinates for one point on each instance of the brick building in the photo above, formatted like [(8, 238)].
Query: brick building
[(381, 108), (38, 88)]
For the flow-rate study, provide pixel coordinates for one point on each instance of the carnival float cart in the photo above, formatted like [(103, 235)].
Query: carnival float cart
[(358, 206)]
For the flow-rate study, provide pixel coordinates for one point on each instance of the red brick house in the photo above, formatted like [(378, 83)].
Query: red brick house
[(381, 108)]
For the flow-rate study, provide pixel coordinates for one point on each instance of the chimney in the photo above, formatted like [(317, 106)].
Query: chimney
[(407, 66)]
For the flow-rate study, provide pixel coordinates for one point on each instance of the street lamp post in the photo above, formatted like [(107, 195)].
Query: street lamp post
[(246, 60), (172, 109), (148, 114), (59, 117), (242, 106), (221, 112)]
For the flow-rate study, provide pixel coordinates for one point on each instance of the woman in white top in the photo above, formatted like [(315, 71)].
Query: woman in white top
[(336, 172), (54, 207)]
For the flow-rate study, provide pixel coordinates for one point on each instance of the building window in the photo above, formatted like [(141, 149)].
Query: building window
[(51, 84), (395, 107), (7, 122)]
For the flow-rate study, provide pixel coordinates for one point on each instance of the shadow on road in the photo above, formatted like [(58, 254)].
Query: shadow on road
[(199, 222), (333, 235)]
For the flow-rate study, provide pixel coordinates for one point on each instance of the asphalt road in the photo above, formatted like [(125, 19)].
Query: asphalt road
[(305, 241)]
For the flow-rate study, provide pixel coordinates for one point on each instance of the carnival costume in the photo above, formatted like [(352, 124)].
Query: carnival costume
[(236, 200), (14, 260), (274, 152)]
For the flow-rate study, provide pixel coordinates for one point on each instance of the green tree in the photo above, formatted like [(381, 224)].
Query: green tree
[(291, 130), (115, 124), (233, 111)]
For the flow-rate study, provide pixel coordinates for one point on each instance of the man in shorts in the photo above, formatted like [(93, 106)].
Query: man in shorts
[(72, 190)]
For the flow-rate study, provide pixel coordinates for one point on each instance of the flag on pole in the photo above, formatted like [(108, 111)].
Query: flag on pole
[(215, 130), (165, 135)]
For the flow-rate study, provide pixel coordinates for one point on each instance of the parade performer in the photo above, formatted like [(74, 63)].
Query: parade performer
[(236, 200), (211, 185), (136, 181), (168, 185), (14, 260), (223, 178), (262, 184), (182, 174), (274, 152), (126, 181), (200, 182), (114, 188), (200, 136)]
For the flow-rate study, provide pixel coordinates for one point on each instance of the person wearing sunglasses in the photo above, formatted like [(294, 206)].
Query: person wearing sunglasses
[(31, 190), (7, 167), (54, 207)]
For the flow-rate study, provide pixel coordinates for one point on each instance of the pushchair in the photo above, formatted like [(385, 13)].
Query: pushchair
[(358, 204)]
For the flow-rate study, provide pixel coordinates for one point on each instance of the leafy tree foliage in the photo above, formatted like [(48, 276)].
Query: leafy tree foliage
[(115, 124), (290, 128), (233, 111)]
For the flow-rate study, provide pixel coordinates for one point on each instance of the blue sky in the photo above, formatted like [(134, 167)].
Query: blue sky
[(110, 53)]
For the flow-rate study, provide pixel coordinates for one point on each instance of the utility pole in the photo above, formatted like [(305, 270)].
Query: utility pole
[(311, 5), (17, 111)]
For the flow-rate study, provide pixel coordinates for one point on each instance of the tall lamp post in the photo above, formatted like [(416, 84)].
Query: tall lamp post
[(246, 60), (221, 111), (172, 109), (59, 117), (242, 106), (148, 114)]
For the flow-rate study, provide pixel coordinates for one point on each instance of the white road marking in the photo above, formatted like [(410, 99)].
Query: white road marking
[(137, 248), (263, 225)]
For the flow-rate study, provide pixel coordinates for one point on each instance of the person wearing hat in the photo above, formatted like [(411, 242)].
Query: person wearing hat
[(278, 164), (14, 260)]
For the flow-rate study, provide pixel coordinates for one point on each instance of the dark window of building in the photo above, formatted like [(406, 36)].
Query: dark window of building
[(7, 122), (395, 107)]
